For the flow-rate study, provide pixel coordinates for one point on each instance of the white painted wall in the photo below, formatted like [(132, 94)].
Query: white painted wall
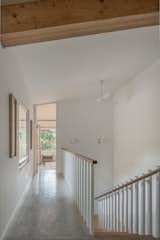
[(13, 181), (79, 124), (137, 125)]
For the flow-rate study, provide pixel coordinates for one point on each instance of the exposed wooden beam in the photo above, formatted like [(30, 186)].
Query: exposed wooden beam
[(46, 20)]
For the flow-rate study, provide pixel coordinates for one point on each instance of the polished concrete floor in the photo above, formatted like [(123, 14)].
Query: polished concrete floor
[(48, 212)]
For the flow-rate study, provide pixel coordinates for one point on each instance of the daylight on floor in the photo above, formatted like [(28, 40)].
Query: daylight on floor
[(79, 120)]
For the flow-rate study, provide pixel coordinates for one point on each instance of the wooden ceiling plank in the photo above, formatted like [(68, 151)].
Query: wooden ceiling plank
[(46, 20)]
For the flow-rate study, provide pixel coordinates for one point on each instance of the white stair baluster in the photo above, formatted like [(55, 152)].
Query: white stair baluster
[(156, 205), (112, 215), (125, 220), (102, 201), (85, 210), (99, 214), (121, 209), (135, 208), (110, 212), (102, 213), (89, 196), (83, 189), (75, 162), (81, 198), (114, 211), (86, 172), (106, 213), (114, 206), (148, 206), (78, 182), (117, 211), (130, 208), (141, 217)]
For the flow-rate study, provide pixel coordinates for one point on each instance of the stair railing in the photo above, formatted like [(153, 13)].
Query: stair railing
[(79, 175), (132, 208)]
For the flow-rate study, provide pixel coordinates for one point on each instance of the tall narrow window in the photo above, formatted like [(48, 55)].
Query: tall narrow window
[(23, 135)]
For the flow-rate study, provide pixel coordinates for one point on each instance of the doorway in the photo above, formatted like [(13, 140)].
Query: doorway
[(45, 137)]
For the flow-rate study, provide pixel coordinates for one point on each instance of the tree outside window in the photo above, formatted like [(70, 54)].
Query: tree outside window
[(48, 140)]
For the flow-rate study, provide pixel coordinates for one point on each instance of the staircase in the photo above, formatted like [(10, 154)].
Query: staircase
[(129, 211)]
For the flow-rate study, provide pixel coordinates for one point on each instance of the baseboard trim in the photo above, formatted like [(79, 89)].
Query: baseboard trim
[(16, 210)]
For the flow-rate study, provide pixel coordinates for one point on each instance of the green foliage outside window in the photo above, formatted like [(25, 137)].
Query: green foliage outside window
[(48, 139)]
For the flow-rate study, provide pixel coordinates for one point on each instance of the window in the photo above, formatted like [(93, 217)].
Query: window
[(23, 135), (48, 141)]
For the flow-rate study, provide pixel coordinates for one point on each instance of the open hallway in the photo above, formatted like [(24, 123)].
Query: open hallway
[(48, 212)]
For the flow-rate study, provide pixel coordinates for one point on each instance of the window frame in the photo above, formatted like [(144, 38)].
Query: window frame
[(23, 161)]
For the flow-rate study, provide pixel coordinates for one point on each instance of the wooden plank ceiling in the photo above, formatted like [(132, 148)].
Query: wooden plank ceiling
[(45, 20)]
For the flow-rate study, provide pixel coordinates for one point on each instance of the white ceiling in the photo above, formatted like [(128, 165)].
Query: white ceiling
[(71, 68)]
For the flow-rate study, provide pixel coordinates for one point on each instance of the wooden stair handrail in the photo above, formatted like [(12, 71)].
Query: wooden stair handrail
[(80, 155), (130, 183)]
